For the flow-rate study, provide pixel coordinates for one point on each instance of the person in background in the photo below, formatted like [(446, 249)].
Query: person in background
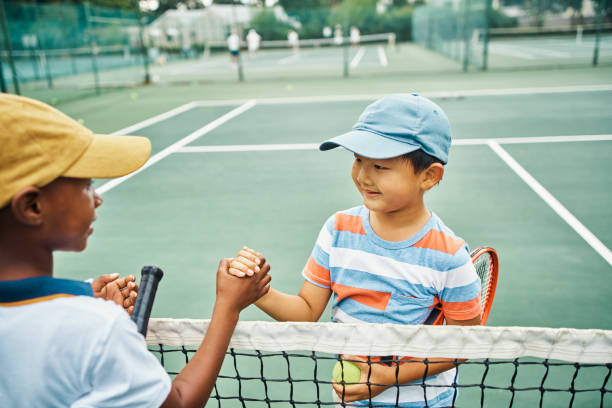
[(253, 41)]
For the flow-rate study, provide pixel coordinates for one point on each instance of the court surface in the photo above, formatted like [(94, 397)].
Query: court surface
[(529, 174), (227, 173)]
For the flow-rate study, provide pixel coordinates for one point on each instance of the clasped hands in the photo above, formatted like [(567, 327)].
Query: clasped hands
[(249, 262)]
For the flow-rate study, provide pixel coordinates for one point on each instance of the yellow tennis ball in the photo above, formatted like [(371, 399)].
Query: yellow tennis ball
[(352, 373), (134, 96), (289, 87), (81, 121), (53, 101)]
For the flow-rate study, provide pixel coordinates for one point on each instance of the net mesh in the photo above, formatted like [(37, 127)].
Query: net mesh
[(273, 364)]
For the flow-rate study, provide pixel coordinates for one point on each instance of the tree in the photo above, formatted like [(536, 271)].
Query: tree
[(269, 27)]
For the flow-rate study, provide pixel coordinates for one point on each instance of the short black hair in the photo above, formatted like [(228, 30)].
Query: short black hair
[(420, 160)]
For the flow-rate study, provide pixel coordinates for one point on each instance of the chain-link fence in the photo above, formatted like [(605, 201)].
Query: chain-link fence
[(484, 34), (69, 49), (56, 52)]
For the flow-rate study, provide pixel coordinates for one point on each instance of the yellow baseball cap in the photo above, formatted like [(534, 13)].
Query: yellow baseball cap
[(38, 144)]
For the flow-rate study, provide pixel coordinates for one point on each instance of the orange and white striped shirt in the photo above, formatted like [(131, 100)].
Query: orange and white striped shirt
[(378, 281)]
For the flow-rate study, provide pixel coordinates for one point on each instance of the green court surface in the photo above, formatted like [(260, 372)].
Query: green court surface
[(194, 206), (203, 200)]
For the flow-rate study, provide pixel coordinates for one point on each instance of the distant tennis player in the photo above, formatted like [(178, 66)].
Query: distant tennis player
[(390, 260), (60, 346)]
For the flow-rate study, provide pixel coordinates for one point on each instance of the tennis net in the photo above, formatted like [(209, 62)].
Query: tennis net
[(290, 364)]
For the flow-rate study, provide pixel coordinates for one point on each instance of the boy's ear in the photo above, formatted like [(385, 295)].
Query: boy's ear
[(26, 207), (432, 175)]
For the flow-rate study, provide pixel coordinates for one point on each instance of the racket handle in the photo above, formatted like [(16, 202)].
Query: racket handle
[(149, 279)]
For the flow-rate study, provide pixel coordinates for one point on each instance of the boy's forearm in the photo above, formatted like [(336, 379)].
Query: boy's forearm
[(416, 369), (193, 385), (284, 307)]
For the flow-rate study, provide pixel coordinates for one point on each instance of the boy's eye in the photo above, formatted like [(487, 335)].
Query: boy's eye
[(379, 167)]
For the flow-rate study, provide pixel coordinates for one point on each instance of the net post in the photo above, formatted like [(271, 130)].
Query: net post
[(7, 45), (207, 49), (240, 71), (235, 25), (598, 23), (93, 45), (485, 40), (41, 52), (143, 46), (466, 35), (345, 58), (34, 42)]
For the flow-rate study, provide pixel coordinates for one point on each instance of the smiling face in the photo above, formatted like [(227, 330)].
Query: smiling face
[(389, 185), (69, 206)]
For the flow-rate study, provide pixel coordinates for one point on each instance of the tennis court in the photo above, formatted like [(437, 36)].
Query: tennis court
[(529, 174), (548, 50)]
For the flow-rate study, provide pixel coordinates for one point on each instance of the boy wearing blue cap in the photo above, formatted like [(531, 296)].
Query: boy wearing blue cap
[(390, 260)]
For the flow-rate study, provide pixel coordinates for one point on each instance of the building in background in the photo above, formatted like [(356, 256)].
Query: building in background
[(184, 29)]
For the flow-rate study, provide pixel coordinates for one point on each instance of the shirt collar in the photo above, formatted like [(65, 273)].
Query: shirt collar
[(40, 289)]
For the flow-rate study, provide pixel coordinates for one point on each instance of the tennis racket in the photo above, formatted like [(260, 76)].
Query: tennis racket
[(486, 262), (149, 279)]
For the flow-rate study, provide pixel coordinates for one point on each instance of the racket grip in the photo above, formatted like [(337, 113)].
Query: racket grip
[(149, 279)]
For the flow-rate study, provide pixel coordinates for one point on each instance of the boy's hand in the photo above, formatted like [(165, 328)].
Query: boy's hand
[(361, 391), (236, 293), (122, 291), (246, 263)]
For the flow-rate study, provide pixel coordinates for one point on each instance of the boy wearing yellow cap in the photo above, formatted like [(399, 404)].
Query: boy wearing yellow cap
[(59, 345)]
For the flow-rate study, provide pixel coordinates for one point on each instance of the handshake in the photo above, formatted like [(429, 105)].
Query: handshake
[(247, 263)]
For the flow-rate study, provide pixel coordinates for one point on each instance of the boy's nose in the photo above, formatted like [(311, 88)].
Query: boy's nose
[(363, 176), (97, 200)]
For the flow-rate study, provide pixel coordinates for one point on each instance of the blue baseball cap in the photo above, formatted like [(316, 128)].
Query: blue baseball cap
[(395, 125)]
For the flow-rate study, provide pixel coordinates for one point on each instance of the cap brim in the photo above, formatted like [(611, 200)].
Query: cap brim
[(370, 145), (111, 156)]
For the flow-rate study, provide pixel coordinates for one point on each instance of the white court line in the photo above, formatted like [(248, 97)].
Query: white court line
[(456, 142), (568, 217), (527, 52), (155, 119), (382, 56), (357, 58), (181, 143), (289, 59), (502, 50), (536, 139), (445, 94), (536, 52), (248, 148)]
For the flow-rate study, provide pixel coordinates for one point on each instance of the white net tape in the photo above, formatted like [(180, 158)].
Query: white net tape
[(575, 345)]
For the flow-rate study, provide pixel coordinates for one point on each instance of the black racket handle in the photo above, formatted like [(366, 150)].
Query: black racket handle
[(149, 279)]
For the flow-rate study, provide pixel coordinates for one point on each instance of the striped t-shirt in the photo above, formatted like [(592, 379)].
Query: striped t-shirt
[(378, 281)]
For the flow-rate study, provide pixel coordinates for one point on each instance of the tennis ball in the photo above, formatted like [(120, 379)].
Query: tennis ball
[(134, 96), (352, 373), (53, 101), (81, 121), (289, 87)]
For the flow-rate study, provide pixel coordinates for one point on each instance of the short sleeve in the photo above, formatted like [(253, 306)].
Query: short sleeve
[(460, 296), (125, 373), (316, 270)]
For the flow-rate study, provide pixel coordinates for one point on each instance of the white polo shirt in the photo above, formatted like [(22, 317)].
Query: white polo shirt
[(60, 347)]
